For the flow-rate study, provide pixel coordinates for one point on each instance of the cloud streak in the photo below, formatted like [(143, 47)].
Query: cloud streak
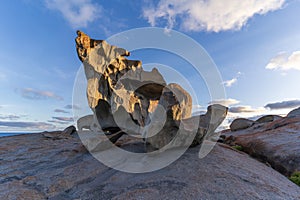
[(60, 111), (29, 93), (75, 107), (79, 13), (10, 117), (224, 102), (65, 119), (245, 109), (28, 125), (58, 122), (207, 15), (283, 105), (232, 81), (284, 62)]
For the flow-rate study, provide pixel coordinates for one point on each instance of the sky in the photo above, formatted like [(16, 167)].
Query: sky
[(254, 44)]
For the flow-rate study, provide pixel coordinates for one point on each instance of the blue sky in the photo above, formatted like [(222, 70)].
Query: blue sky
[(255, 45)]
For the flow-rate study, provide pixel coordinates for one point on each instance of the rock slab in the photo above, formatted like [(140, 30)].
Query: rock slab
[(37, 167), (276, 143)]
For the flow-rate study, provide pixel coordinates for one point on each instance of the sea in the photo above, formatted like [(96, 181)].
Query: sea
[(5, 134)]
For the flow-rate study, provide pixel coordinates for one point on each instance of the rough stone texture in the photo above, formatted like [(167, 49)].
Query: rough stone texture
[(294, 113), (268, 118), (241, 123), (126, 98), (276, 143), (89, 122), (189, 131), (57, 135), (169, 134), (37, 167), (120, 87)]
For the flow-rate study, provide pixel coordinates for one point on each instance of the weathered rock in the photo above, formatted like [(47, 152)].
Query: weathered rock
[(125, 97), (214, 116), (33, 167), (65, 134), (120, 93), (294, 113), (276, 143), (268, 118), (241, 123), (189, 131), (89, 122), (95, 142), (209, 122), (69, 130), (175, 104), (176, 101)]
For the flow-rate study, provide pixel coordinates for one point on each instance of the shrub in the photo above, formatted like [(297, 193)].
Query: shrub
[(238, 147), (295, 177)]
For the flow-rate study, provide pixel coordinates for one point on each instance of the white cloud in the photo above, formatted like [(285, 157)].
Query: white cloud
[(283, 61), (208, 15), (77, 12), (246, 109), (10, 117), (65, 119), (60, 111), (225, 102), (230, 82), (58, 122), (283, 104), (27, 125), (30, 93)]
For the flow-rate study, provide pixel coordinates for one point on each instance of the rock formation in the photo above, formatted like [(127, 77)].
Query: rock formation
[(268, 118), (88, 122), (57, 135), (294, 113), (126, 98), (241, 123), (116, 84), (275, 142)]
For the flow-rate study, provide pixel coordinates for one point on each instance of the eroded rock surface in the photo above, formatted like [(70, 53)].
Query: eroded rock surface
[(36, 167), (162, 132), (268, 118), (120, 87), (241, 123), (126, 98), (276, 143), (294, 113), (57, 135)]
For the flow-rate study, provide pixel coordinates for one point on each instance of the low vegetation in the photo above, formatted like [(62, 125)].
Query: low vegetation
[(238, 147), (295, 177)]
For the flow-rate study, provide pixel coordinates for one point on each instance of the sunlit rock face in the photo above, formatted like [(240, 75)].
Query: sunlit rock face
[(126, 98), (120, 87)]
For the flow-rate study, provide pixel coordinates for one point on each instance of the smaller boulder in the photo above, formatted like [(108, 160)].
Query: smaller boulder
[(57, 135), (268, 118), (294, 113), (240, 124), (69, 130)]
